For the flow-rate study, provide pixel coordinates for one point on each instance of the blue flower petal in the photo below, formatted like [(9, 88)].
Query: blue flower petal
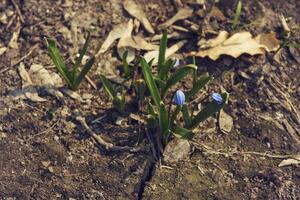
[(217, 98), (179, 98)]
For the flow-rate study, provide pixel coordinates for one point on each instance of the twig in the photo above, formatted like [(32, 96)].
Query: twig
[(209, 150), (91, 82), (21, 59), (106, 145), (18, 10), (24, 57)]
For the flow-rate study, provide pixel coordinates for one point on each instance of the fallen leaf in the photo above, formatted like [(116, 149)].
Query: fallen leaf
[(130, 55), (223, 35), (136, 11), (170, 51), (116, 33), (183, 13), (269, 41), (225, 122), (217, 14), (290, 161), (13, 43), (237, 45), (71, 93), (2, 49), (28, 91), (38, 76), (43, 78)]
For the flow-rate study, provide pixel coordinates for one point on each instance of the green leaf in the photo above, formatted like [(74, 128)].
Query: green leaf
[(58, 61), (160, 82), (208, 111), (182, 133), (203, 80), (178, 76), (150, 109), (82, 53), (162, 54), (108, 87), (237, 15), (186, 115), (166, 68), (163, 120), (150, 82), (125, 65), (84, 71)]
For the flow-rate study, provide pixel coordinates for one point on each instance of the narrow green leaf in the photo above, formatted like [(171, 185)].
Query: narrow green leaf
[(84, 71), (108, 87), (178, 76), (163, 120), (208, 111), (186, 115), (237, 15), (162, 54), (150, 109), (182, 133), (203, 80), (166, 68), (58, 61), (79, 59), (160, 82), (150, 82)]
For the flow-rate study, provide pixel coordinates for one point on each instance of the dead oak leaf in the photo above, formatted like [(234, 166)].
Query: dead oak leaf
[(116, 33), (183, 13), (237, 44), (169, 51), (136, 11)]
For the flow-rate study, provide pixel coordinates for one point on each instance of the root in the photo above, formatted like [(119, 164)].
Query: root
[(107, 145)]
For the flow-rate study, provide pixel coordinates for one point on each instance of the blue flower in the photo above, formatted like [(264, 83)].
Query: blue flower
[(179, 98), (217, 98)]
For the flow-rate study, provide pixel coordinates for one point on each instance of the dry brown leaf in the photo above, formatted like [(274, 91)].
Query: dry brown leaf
[(136, 11), (290, 161), (225, 122), (238, 44), (28, 91), (13, 43), (173, 49), (223, 35), (130, 55), (38, 76), (217, 14), (43, 78), (269, 41), (183, 13), (116, 33)]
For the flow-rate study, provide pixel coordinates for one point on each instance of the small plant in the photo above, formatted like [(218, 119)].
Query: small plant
[(237, 16), (72, 77), (167, 113)]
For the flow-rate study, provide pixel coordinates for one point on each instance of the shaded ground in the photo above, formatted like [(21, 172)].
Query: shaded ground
[(50, 157)]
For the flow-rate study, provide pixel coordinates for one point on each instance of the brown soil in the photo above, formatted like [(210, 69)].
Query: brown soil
[(46, 156)]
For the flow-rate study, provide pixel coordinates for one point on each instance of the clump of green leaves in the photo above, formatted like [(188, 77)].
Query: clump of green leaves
[(72, 77), (163, 108)]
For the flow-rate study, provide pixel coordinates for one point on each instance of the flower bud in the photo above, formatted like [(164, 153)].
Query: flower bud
[(177, 63), (179, 98), (217, 98)]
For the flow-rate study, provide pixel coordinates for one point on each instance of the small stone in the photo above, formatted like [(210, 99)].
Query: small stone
[(176, 150)]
